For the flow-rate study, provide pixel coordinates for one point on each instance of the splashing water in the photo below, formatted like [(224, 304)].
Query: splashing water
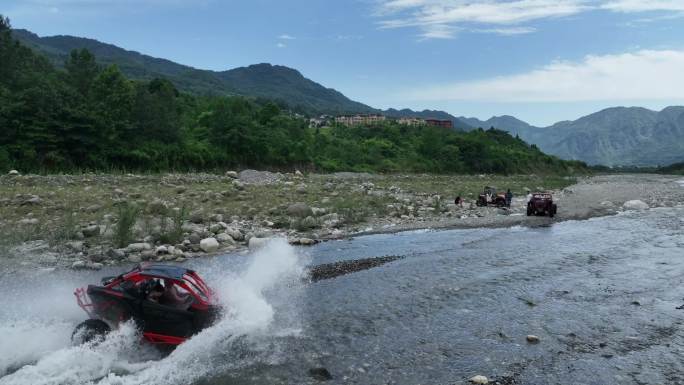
[(260, 308)]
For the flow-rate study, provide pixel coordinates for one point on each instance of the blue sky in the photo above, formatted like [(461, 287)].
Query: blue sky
[(539, 60)]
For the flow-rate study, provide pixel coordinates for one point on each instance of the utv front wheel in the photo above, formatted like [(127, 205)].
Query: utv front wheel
[(90, 330)]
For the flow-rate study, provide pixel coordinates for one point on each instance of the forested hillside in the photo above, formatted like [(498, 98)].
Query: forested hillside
[(88, 117), (286, 85)]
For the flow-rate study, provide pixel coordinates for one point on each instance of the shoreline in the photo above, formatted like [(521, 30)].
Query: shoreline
[(398, 201)]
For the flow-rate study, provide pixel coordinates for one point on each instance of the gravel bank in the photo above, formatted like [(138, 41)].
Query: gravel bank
[(73, 220)]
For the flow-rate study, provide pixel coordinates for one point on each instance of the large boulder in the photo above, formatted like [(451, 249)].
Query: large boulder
[(301, 210), (635, 205), (232, 174), (13, 173), (209, 245)]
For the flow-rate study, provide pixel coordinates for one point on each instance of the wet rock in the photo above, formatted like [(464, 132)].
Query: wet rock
[(209, 245), (257, 243), (91, 231), (138, 247), (336, 269), (78, 265), (307, 241), (479, 380), (224, 238), (531, 338), (116, 254), (303, 241), (320, 374), (134, 258), (194, 238), (635, 205), (301, 210), (235, 234), (147, 255), (93, 265)]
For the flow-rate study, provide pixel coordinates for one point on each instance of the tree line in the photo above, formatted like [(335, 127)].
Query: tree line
[(90, 117)]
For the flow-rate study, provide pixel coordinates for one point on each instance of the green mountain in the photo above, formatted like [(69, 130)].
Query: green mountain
[(619, 136), (273, 82)]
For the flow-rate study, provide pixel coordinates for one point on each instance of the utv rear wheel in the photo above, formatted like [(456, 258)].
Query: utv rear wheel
[(90, 330)]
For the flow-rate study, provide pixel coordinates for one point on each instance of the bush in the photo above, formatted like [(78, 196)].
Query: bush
[(123, 231)]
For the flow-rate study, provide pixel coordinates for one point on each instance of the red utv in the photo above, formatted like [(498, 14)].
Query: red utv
[(168, 303), (541, 204)]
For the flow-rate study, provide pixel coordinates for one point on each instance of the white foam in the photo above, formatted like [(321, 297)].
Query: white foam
[(260, 306)]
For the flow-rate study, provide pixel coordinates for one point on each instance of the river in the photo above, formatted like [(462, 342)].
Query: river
[(601, 295)]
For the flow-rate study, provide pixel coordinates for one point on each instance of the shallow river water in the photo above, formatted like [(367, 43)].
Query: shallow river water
[(601, 294)]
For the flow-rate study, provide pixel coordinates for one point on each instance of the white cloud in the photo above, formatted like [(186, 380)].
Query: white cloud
[(629, 6), (510, 31), (442, 18), (286, 37), (281, 45), (640, 75)]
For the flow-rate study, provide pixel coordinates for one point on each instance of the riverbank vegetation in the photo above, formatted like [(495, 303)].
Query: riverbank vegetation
[(88, 117)]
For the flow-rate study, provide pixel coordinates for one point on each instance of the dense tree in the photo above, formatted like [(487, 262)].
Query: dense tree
[(90, 117)]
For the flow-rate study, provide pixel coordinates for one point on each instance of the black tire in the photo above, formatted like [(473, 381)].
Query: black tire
[(529, 212), (90, 330)]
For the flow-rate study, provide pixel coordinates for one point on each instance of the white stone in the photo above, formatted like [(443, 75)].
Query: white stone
[(635, 205), (209, 245), (162, 250), (13, 173), (232, 174), (138, 247), (479, 380)]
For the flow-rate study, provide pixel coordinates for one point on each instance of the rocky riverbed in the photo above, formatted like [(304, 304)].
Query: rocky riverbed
[(94, 220)]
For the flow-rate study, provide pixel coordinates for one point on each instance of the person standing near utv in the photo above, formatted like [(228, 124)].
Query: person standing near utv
[(509, 198)]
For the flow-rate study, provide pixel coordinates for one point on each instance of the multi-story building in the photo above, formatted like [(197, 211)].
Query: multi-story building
[(411, 121), (439, 123), (353, 120)]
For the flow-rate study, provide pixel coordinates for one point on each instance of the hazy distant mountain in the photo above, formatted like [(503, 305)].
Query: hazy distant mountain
[(260, 80), (617, 136)]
